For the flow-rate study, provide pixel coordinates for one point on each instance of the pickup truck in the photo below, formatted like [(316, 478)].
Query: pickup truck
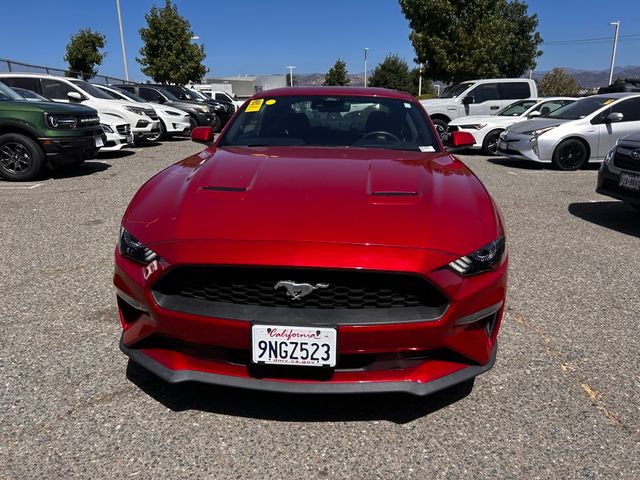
[(477, 97)]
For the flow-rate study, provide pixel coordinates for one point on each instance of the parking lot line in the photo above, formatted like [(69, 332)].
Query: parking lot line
[(21, 186)]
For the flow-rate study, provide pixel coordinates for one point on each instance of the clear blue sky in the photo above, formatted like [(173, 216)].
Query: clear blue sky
[(259, 37)]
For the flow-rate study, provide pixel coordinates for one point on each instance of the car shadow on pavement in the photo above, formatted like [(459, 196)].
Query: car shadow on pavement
[(397, 408), (87, 168), (515, 163), (114, 154), (617, 216)]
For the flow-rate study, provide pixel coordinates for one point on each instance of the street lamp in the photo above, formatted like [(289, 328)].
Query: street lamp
[(365, 66), (421, 68), (124, 54), (613, 53), (291, 67)]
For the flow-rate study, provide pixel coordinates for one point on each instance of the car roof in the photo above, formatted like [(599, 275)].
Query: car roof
[(615, 95), (338, 91)]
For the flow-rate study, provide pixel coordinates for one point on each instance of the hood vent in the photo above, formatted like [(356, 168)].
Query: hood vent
[(216, 188)]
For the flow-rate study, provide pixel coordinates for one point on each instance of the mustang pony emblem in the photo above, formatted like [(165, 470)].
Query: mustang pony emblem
[(299, 290)]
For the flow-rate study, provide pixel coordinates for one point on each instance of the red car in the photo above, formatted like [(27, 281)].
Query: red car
[(325, 242)]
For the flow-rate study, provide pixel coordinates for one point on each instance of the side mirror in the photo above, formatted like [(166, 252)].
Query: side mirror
[(534, 114), (202, 135), (614, 117), (75, 96), (460, 140), (161, 99), (468, 100)]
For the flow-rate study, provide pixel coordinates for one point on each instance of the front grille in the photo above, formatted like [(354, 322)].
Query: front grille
[(256, 286), (87, 120), (345, 296), (151, 113), (124, 129), (623, 160)]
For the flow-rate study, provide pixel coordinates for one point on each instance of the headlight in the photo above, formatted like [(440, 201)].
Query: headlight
[(482, 260), (106, 128), (136, 110), (169, 112), (131, 248), (540, 131), (61, 121), (475, 126), (203, 108)]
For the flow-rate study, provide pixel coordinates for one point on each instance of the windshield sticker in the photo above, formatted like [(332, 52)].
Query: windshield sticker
[(608, 101), (254, 105), (428, 148), (271, 101), (407, 105)]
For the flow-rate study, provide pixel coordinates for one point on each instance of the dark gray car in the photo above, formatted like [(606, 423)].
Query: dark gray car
[(619, 175)]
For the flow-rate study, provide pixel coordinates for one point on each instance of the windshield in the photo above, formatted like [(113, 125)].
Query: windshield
[(8, 95), (452, 91), (91, 90), (336, 121), (581, 108), (119, 94), (29, 95), (198, 95), (517, 109)]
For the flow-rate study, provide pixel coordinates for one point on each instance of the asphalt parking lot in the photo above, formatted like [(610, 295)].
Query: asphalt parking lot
[(561, 402)]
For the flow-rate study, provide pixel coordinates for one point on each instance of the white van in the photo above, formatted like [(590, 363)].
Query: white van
[(63, 89), (477, 97)]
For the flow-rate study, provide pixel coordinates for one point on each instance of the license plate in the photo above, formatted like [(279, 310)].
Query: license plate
[(630, 182), (303, 346), (129, 138), (99, 142)]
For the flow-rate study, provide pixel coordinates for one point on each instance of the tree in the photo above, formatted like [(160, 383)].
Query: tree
[(392, 72), (168, 56), (558, 82), (466, 39), (337, 75), (83, 53)]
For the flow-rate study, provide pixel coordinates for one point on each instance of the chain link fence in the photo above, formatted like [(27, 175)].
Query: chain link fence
[(13, 66)]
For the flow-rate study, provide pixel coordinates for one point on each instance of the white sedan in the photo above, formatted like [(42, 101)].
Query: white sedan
[(575, 134), (487, 128)]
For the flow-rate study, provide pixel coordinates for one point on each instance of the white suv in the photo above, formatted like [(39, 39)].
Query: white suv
[(477, 97), (63, 89)]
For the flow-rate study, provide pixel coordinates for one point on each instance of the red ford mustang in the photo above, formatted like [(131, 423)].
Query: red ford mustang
[(324, 243)]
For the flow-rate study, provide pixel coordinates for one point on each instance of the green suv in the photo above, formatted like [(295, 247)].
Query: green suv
[(35, 134)]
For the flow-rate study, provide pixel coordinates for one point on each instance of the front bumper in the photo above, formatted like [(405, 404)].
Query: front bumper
[(177, 125), (144, 129), (417, 356), (115, 142), (62, 151), (519, 146), (608, 184)]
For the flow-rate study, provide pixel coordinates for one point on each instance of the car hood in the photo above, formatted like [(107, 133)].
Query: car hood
[(536, 124), (326, 195), (473, 119), (436, 102), (51, 107)]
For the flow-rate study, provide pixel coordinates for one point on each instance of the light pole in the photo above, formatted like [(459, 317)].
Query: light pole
[(420, 79), (613, 53), (124, 54), (365, 67), (291, 67)]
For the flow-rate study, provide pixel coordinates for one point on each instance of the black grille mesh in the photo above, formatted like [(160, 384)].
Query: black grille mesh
[(345, 290), (621, 160)]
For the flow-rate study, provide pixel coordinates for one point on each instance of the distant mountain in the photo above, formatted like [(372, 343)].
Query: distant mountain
[(586, 78)]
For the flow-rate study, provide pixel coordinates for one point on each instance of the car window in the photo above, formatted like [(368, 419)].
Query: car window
[(342, 121), (485, 92), (581, 108), (8, 95), (452, 91), (630, 110), (149, 94), (91, 89), (28, 83), (545, 108), (514, 90), (56, 89), (516, 109)]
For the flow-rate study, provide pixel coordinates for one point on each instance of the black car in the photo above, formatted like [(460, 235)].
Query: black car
[(224, 110), (619, 175), (200, 114)]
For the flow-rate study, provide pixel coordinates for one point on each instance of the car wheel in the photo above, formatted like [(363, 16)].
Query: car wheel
[(490, 143), (441, 127), (216, 123), (160, 135), (570, 155), (20, 157)]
